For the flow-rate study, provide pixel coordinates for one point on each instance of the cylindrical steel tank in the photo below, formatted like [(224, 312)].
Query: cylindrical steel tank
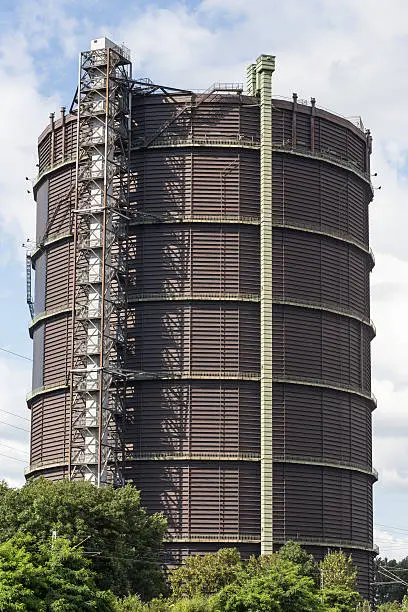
[(192, 425)]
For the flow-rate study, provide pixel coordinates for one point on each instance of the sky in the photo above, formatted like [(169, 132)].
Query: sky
[(351, 56)]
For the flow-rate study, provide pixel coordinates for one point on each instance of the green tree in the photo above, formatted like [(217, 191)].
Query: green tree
[(282, 588), (339, 582), (292, 551), (122, 541), (196, 604), (394, 606), (133, 603), (364, 606), (205, 575), (20, 578), (48, 578)]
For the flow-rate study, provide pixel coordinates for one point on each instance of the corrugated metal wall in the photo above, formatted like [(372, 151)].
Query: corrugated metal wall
[(193, 414), (51, 327)]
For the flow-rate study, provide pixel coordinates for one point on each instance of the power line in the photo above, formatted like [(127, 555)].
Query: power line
[(101, 555), (12, 458), (15, 426), (391, 527), (15, 354), (17, 450), (14, 414)]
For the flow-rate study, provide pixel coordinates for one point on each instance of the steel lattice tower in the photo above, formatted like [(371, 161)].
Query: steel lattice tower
[(99, 309)]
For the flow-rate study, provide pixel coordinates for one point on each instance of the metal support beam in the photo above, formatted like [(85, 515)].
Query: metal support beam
[(265, 66)]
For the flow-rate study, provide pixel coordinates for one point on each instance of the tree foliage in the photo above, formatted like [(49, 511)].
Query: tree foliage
[(288, 580), (292, 551), (282, 588), (394, 606), (122, 541), (53, 578), (364, 606), (339, 582), (205, 575)]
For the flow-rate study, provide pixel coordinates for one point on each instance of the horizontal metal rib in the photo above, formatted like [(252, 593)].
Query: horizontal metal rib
[(193, 375), (318, 461), (52, 239), (47, 315), (44, 465), (327, 384), (326, 231), (45, 390), (345, 164), (208, 295), (141, 218), (53, 168), (334, 308), (222, 537), (329, 542), (201, 141), (331, 463), (180, 456)]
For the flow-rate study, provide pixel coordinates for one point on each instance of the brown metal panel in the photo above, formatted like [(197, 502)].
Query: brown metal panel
[(202, 499), (42, 210), (282, 123), (36, 438), (56, 346), (174, 337), (186, 258), (311, 268), (59, 258), (316, 344), (49, 430), (44, 154), (60, 201), (312, 494)]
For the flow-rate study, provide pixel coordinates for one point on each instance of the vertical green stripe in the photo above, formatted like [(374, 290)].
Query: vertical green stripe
[(251, 80), (265, 66)]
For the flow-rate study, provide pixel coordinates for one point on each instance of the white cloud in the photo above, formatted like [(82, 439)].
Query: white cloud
[(389, 300), (44, 22), (23, 113), (392, 545)]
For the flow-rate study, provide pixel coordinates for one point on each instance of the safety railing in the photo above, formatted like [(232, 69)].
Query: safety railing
[(57, 386), (181, 295), (330, 384), (351, 465), (48, 314), (329, 306), (327, 542), (42, 465), (194, 456), (214, 537), (239, 140), (54, 166), (330, 157), (145, 218)]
